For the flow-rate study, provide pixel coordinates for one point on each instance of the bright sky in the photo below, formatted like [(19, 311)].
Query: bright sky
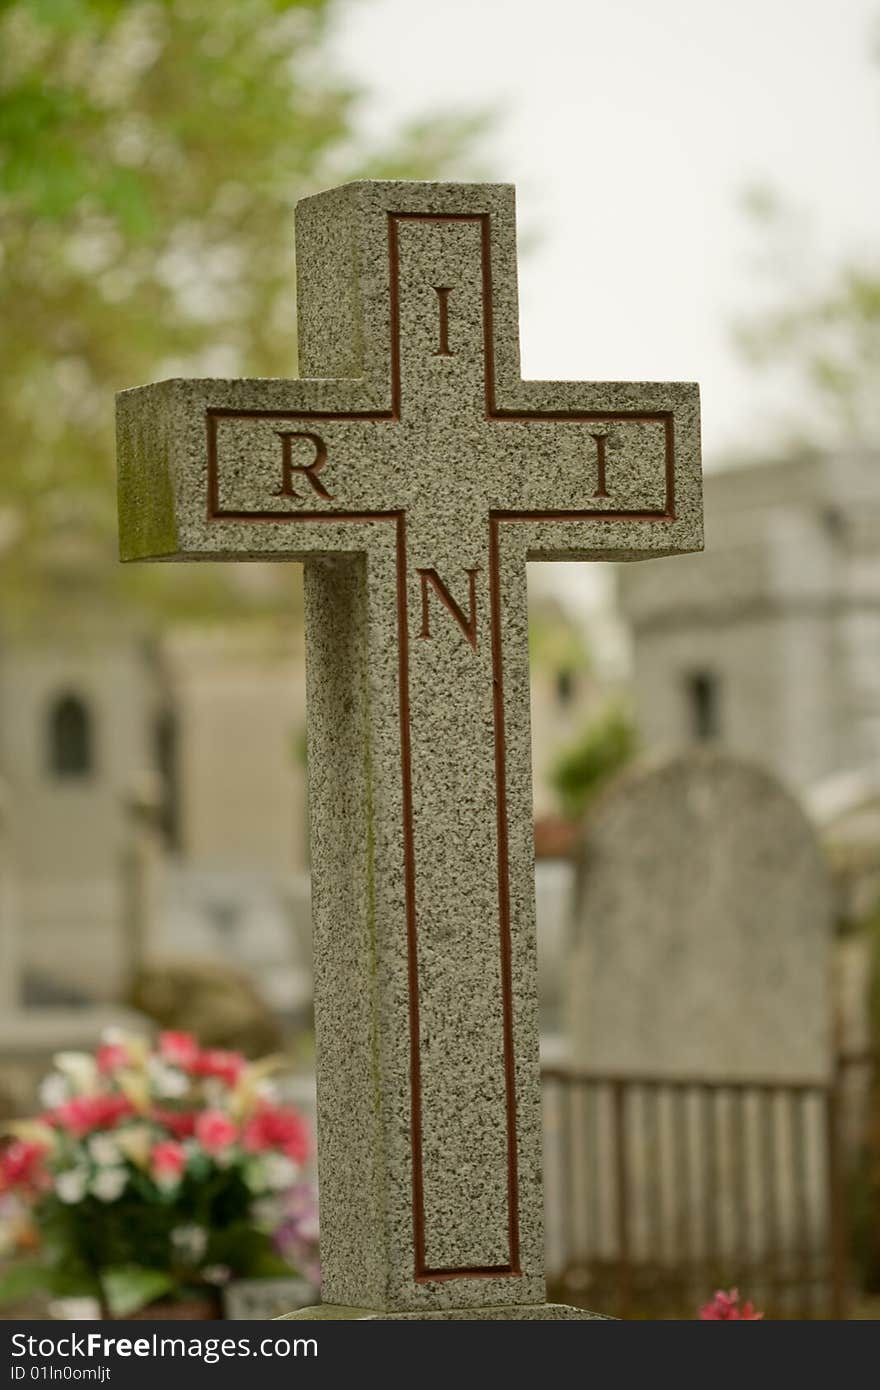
[(630, 128)]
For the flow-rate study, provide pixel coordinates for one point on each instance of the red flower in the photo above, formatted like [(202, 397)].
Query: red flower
[(111, 1057), (21, 1164), (83, 1114), (168, 1160), (725, 1308), (179, 1049), (223, 1066), (215, 1131), (180, 1123), (278, 1127)]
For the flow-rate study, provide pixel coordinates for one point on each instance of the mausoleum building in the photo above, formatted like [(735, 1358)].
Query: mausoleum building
[(767, 643)]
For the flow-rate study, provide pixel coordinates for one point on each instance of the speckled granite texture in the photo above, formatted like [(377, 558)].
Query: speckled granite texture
[(415, 473), (543, 1312)]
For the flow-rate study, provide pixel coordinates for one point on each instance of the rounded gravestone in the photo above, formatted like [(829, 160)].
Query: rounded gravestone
[(701, 934)]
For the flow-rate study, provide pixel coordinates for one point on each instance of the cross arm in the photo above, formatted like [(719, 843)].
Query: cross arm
[(192, 453), (599, 470)]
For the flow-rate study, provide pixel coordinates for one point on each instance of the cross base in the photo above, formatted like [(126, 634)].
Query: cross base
[(507, 1312)]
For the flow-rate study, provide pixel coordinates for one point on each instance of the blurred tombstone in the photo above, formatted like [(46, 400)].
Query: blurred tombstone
[(210, 949), (31, 1034), (257, 921), (213, 999), (701, 935), (700, 951)]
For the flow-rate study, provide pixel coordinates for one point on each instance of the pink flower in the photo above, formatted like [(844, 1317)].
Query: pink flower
[(278, 1127), (21, 1165), (111, 1057), (168, 1160), (223, 1066), (296, 1239), (180, 1123), (725, 1308), (83, 1114), (179, 1049), (215, 1131)]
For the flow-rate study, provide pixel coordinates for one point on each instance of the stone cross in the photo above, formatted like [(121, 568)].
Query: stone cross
[(415, 474)]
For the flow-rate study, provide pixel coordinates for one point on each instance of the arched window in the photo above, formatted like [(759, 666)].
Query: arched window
[(71, 752), (566, 686), (704, 706)]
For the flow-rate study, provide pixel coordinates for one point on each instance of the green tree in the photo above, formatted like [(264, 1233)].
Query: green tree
[(151, 152), (821, 330), (825, 336), (606, 745)]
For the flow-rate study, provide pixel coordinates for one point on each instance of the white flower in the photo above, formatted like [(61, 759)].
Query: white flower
[(267, 1212), (80, 1069), (308, 1227), (215, 1093), (54, 1090), (109, 1183), (216, 1274), (190, 1242), (279, 1171), (168, 1082), (105, 1150), (11, 1219), (70, 1186), (135, 1142)]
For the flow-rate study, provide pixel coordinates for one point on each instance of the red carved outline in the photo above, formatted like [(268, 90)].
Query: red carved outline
[(422, 1272)]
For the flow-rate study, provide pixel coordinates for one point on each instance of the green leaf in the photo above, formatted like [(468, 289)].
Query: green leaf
[(270, 1265), (603, 748), (150, 155), (127, 1288), (24, 1279)]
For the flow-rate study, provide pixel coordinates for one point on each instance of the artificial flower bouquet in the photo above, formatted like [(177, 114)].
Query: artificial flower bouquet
[(726, 1307), (155, 1173)]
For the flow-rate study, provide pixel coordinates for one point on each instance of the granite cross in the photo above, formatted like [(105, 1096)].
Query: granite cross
[(415, 473)]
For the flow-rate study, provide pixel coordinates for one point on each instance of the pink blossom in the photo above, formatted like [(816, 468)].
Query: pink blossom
[(21, 1164), (278, 1127), (179, 1049), (223, 1066), (725, 1307), (180, 1123), (111, 1057), (168, 1160), (296, 1238), (83, 1114), (215, 1131)]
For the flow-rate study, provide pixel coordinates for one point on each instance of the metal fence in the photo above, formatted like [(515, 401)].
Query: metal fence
[(660, 1190)]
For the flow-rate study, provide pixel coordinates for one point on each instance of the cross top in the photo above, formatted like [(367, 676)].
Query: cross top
[(415, 473)]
